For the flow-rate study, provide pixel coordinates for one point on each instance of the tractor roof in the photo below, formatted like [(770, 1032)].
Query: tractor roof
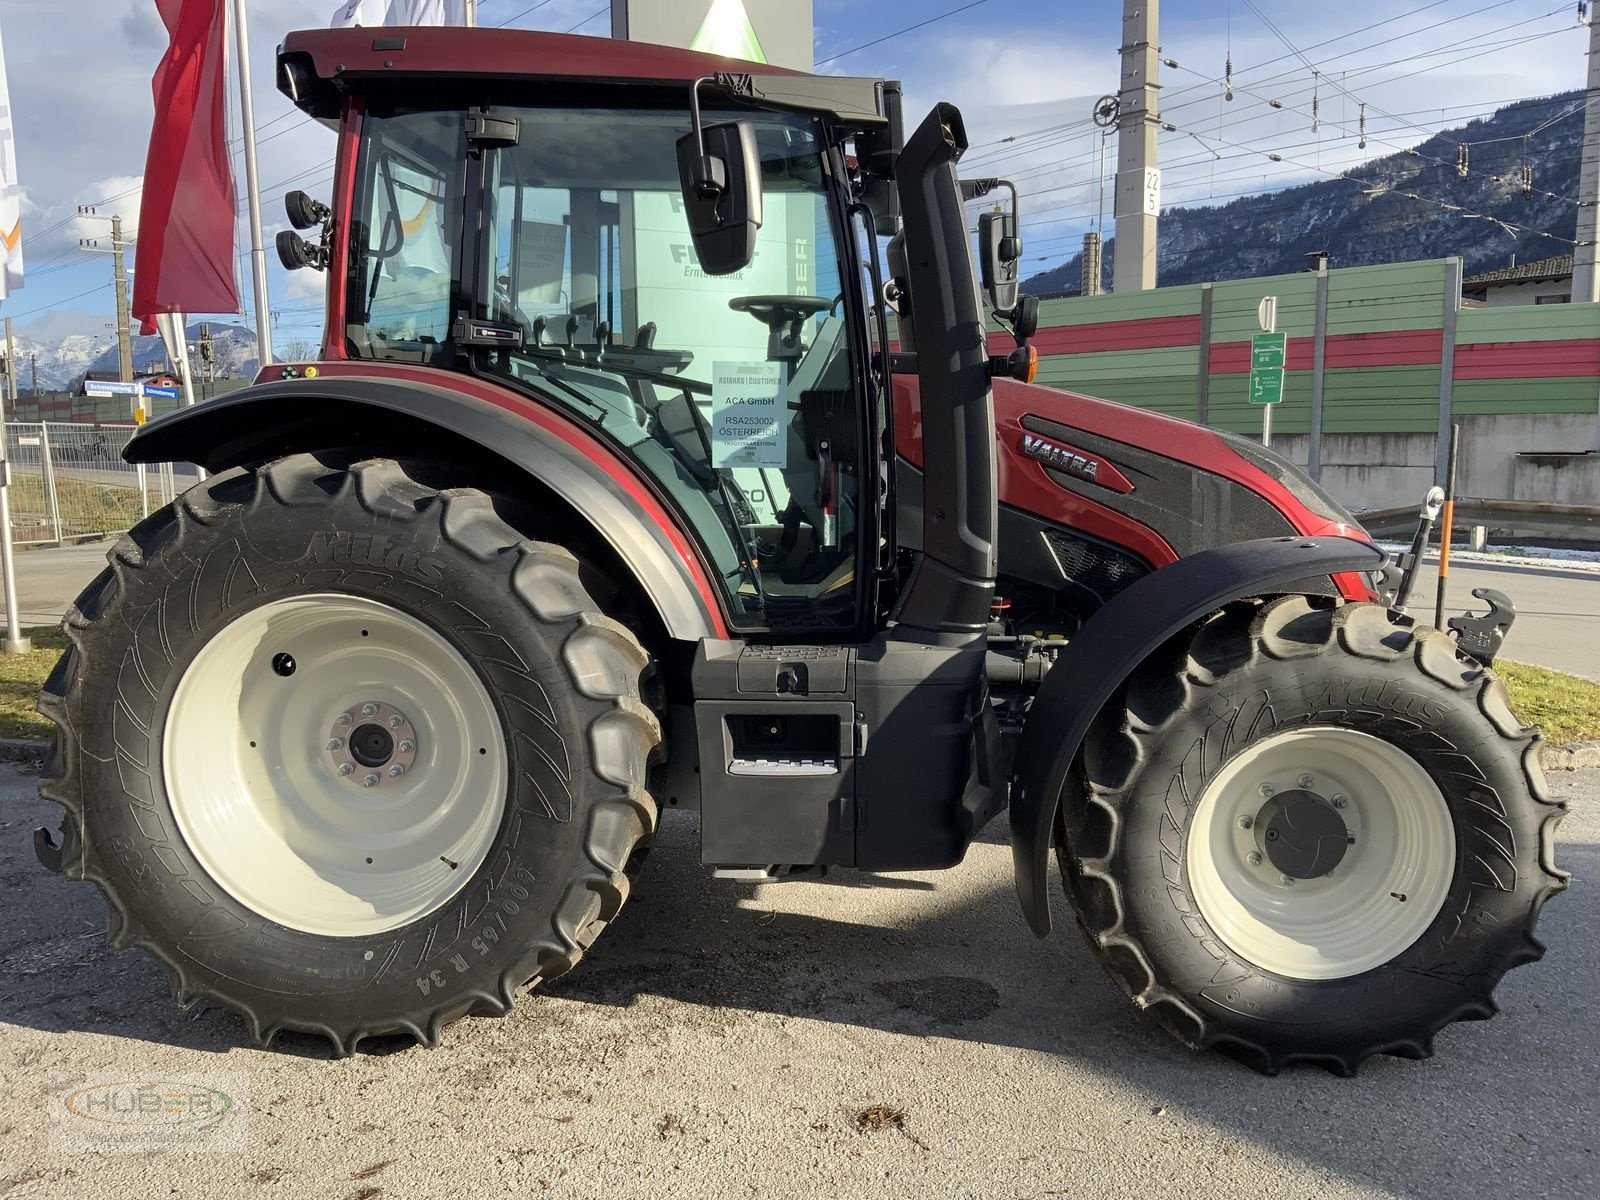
[(318, 67)]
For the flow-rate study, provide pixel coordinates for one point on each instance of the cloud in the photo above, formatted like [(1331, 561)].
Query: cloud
[(141, 26), (306, 286)]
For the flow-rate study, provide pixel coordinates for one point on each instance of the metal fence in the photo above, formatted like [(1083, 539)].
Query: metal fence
[(68, 482)]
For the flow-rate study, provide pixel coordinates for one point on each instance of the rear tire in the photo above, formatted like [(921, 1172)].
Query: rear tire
[(243, 631), (1310, 833)]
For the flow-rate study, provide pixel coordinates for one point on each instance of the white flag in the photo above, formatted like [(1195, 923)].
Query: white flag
[(10, 195), (400, 12), (360, 12)]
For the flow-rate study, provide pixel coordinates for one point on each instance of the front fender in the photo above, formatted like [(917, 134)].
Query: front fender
[(1115, 640), (469, 418)]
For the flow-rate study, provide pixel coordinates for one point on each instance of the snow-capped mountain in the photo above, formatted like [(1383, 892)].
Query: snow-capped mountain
[(68, 345)]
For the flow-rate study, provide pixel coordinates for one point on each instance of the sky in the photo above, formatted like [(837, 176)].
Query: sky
[(1026, 74)]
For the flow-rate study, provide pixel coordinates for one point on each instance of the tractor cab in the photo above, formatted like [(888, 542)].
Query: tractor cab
[(553, 237)]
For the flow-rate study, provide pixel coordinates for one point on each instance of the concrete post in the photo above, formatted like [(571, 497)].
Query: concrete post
[(1585, 275), (1319, 348), (1091, 264), (1138, 191), (1202, 408)]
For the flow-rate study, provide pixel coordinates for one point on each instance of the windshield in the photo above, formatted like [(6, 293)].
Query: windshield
[(737, 393)]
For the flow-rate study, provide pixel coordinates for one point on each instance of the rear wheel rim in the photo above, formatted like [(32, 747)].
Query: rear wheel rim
[(335, 764), (1382, 857)]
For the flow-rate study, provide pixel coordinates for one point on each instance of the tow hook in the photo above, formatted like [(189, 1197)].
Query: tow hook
[(1482, 636)]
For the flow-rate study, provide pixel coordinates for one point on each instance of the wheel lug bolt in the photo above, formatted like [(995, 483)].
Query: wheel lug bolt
[(1253, 858), (1246, 821), (335, 743), (370, 780), (396, 721), (369, 709), (1267, 789), (1340, 801), (1306, 781), (346, 769), (344, 719), (396, 771), (407, 746), (1286, 880)]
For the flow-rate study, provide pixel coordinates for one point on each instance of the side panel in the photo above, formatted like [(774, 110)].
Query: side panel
[(362, 406), (1115, 641)]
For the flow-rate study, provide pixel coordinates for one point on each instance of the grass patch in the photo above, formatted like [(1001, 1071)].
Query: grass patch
[(86, 507), (21, 677), (1565, 707)]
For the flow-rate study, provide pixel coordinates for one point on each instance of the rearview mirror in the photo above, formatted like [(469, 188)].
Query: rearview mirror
[(719, 169), (999, 259)]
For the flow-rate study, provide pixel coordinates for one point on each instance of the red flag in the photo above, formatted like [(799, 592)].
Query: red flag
[(185, 257)]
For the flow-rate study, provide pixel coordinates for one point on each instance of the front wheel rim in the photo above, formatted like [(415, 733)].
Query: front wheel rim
[(1382, 857), (336, 765)]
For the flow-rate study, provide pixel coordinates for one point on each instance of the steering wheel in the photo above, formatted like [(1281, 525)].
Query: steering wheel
[(777, 311)]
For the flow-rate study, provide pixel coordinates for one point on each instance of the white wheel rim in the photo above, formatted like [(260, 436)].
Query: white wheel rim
[(254, 779), (1383, 893)]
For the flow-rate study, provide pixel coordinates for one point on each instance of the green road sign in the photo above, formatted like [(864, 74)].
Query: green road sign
[(1266, 386), (1267, 351)]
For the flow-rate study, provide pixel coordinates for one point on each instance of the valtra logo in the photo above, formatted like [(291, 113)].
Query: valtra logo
[(1076, 463)]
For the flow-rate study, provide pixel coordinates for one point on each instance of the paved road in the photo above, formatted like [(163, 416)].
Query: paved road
[(722, 1041), (1558, 611), (50, 580)]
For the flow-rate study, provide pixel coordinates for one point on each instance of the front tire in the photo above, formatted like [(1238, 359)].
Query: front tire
[(1310, 833), (346, 753)]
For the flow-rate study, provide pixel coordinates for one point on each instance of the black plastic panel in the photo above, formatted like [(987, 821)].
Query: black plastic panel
[(1190, 508)]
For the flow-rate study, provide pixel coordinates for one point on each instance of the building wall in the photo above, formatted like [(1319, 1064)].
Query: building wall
[(1500, 295), (1522, 378)]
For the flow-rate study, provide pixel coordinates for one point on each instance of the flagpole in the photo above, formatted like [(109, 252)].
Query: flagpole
[(258, 249)]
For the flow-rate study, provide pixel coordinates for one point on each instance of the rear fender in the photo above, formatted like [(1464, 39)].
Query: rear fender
[(472, 422), (1114, 641)]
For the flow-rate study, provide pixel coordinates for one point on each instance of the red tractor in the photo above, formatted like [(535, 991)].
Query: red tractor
[(612, 493)]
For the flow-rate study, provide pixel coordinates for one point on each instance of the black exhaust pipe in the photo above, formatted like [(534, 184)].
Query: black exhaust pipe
[(941, 321)]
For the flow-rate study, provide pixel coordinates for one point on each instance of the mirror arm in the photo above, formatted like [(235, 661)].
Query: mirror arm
[(710, 179)]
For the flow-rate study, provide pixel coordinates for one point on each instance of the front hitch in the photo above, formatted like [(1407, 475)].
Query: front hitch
[(1482, 636)]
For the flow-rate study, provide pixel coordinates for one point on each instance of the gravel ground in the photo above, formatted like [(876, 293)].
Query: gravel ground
[(830, 1039)]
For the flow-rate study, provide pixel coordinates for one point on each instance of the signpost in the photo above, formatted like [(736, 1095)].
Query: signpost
[(1268, 353)]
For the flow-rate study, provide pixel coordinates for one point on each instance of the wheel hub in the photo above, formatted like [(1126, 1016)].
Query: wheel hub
[(371, 743), (1302, 834)]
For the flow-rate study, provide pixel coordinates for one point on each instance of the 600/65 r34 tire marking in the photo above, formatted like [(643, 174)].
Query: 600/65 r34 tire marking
[(1252, 675), (565, 686)]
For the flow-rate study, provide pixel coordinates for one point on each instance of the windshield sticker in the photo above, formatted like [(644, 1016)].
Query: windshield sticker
[(541, 262), (749, 411)]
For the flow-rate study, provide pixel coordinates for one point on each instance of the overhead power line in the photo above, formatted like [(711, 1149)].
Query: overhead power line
[(900, 32)]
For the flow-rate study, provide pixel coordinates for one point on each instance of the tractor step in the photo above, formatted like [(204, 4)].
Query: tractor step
[(776, 873)]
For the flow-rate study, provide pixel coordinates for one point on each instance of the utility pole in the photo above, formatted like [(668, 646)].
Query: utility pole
[(1585, 275), (1091, 264), (33, 367), (124, 319), (119, 282), (1138, 191), (471, 13)]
